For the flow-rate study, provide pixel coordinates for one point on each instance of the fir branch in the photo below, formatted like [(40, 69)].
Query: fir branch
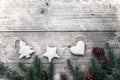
[(2, 68), (109, 77), (63, 77), (79, 74), (37, 66), (76, 72), (9, 73), (109, 60), (22, 67), (96, 72), (33, 71), (116, 70), (71, 69), (93, 62), (13, 75), (110, 55), (44, 75), (30, 73), (50, 71)]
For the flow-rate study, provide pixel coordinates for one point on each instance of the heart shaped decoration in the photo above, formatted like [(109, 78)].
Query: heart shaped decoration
[(79, 49)]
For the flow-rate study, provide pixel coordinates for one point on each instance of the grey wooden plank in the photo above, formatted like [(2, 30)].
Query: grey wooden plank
[(61, 22), (60, 16)]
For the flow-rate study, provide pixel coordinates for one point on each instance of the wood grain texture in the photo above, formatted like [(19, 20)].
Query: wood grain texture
[(39, 41), (62, 20), (61, 15)]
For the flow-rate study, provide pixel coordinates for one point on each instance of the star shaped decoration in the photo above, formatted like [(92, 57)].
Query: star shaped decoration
[(25, 50), (51, 53)]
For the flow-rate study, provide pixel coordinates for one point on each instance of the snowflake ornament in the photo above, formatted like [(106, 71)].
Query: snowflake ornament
[(25, 50), (51, 53)]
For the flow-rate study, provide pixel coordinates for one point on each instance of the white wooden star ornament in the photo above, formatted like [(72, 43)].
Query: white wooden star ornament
[(25, 50), (51, 53)]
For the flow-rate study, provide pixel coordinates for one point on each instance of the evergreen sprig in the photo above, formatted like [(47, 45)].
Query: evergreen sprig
[(51, 71), (2, 68), (13, 75), (33, 71), (63, 76), (96, 72), (75, 72), (109, 60), (9, 73), (109, 77), (110, 56)]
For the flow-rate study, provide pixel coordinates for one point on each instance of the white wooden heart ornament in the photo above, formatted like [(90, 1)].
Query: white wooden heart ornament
[(79, 49)]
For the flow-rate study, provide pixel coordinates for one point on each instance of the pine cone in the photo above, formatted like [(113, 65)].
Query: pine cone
[(98, 52), (87, 76)]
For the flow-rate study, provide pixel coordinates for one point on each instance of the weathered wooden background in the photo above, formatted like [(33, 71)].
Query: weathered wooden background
[(59, 23)]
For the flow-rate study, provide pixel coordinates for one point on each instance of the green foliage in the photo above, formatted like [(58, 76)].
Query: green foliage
[(13, 75), (116, 70), (50, 71), (34, 71), (75, 72), (110, 57), (71, 69), (109, 77), (79, 74), (96, 72), (110, 64), (2, 68), (118, 63), (9, 73), (94, 63), (63, 77), (30, 73), (37, 64), (22, 67)]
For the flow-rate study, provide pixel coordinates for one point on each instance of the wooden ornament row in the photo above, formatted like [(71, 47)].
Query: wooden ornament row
[(26, 51)]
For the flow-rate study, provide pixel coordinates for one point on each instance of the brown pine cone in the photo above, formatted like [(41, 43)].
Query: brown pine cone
[(98, 52), (87, 76)]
